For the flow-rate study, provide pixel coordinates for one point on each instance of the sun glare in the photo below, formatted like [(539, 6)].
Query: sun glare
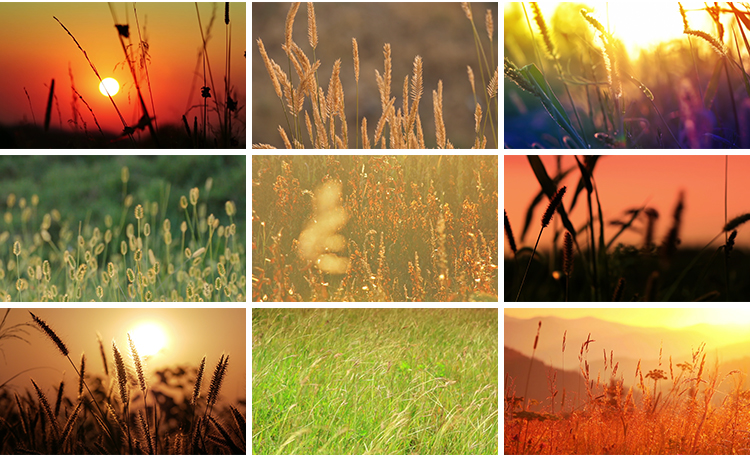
[(149, 338), (110, 85), (641, 26)]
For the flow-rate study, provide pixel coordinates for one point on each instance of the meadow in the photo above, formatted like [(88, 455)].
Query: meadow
[(108, 229), (688, 405), (570, 82), (375, 381), (589, 261), (311, 117), (375, 228), (118, 407)]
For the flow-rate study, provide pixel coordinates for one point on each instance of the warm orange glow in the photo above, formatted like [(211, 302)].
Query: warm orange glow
[(109, 87), (638, 27), (669, 318), (149, 338)]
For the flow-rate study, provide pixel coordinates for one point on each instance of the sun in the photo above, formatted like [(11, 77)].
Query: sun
[(149, 338), (110, 85), (638, 31)]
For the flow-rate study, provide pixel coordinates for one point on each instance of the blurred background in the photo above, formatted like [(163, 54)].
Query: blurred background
[(438, 32), (88, 188)]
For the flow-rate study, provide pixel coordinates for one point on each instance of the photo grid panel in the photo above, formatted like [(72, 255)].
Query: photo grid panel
[(375, 309), (124, 273)]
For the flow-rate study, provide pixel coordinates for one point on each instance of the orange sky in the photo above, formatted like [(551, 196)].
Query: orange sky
[(630, 181), (36, 50), (191, 334)]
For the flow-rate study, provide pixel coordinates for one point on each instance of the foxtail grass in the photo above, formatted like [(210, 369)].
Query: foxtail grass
[(567, 261), (198, 382), (216, 381), (554, 203)]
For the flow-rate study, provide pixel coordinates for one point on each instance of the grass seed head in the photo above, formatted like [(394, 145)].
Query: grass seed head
[(289, 25), (51, 334), (198, 382), (122, 379), (489, 24), (138, 364), (568, 254), (736, 222), (542, 24), (552, 206), (312, 29), (217, 379)]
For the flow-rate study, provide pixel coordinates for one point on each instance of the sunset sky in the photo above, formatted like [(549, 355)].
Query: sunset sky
[(673, 318), (36, 50), (189, 335), (632, 181), (635, 29)]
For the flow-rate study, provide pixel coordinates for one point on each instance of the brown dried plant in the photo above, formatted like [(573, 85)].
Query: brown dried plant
[(396, 128)]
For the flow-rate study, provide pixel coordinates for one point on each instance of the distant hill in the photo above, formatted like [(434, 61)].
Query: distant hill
[(626, 346), (516, 372), (623, 340)]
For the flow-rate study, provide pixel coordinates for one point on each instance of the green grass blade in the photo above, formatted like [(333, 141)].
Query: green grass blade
[(551, 103)]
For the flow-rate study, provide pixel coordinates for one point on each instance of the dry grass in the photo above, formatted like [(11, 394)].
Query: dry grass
[(396, 127), (676, 408), (375, 228)]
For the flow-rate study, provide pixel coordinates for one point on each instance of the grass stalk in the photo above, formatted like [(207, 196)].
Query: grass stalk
[(65, 352), (93, 68), (555, 201)]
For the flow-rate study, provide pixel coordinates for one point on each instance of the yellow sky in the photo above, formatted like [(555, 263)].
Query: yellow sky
[(189, 334), (627, 22), (672, 318)]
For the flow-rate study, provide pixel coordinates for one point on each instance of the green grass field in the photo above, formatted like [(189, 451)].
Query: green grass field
[(375, 381), (130, 228)]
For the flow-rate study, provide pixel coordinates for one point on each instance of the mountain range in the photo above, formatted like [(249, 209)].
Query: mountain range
[(624, 347)]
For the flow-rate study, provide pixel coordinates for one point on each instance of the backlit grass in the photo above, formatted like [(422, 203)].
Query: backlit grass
[(162, 246), (401, 228)]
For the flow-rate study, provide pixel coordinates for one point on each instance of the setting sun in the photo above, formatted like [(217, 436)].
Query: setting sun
[(109, 87), (149, 338)]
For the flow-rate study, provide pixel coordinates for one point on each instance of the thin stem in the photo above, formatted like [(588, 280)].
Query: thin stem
[(529, 265)]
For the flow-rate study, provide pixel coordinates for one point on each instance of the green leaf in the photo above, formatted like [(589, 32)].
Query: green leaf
[(532, 73), (551, 103)]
